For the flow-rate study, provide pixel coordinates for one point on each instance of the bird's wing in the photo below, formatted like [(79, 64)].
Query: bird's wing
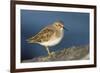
[(43, 36)]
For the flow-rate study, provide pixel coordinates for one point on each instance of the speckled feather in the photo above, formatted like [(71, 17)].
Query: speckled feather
[(43, 36)]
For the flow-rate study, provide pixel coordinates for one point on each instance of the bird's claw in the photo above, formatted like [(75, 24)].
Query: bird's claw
[(53, 54), (46, 58)]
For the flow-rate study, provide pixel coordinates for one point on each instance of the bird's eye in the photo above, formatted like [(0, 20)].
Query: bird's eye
[(58, 24)]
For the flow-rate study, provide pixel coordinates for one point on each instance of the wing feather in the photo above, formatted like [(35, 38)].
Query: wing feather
[(43, 36)]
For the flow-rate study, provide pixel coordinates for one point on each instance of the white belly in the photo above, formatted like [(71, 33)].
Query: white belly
[(54, 41)]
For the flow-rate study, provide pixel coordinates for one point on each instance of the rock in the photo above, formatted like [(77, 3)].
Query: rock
[(72, 53)]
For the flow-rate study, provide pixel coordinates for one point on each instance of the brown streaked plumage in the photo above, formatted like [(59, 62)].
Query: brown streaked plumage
[(43, 36), (49, 35)]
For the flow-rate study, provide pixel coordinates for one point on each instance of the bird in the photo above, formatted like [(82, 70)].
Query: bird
[(49, 36)]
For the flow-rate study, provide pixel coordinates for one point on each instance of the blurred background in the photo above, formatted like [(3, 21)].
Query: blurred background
[(33, 21)]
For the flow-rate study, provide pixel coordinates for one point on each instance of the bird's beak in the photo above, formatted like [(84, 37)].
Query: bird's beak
[(65, 29)]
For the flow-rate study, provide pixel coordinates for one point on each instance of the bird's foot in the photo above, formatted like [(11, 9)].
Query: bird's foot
[(50, 56), (53, 54), (46, 58)]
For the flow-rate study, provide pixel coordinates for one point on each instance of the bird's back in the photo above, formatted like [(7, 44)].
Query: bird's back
[(43, 36)]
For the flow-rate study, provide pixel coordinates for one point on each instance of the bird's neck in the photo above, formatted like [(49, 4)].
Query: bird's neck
[(59, 32)]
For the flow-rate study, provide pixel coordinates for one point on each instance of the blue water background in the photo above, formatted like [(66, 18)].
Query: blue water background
[(33, 21)]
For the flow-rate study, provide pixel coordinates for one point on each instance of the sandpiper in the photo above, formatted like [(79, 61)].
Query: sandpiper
[(49, 36)]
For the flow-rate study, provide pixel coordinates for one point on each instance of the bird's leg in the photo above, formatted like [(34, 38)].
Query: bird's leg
[(48, 51), (51, 54), (48, 57)]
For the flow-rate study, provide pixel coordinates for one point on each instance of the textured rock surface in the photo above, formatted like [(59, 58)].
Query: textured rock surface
[(73, 53)]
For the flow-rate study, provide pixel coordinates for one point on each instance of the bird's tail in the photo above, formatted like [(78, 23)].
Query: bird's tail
[(30, 41)]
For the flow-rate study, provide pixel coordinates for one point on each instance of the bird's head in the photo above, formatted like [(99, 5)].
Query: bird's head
[(59, 25)]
